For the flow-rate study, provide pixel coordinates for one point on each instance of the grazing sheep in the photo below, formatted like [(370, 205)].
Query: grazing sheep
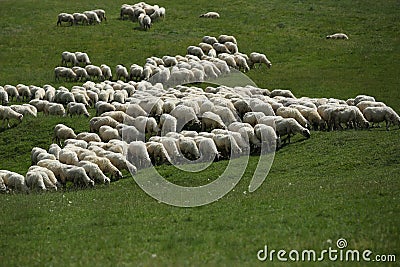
[(121, 72), (42, 178), (54, 149), (104, 164), (94, 72), (185, 116), (55, 109), (211, 121), (146, 125), (227, 145), (258, 105), (288, 112), (102, 107), (3, 97), (88, 137), (220, 48), (195, 51), (92, 16), (108, 133), (267, 135), (69, 57), (365, 104), (7, 113), (241, 63), (311, 115), (282, 92), (188, 148), (252, 117), (207, 149), (82, 57), (337, 36), (289, 127), (94, 172), (137, 155), (209, 40), (106, 71), (168, 123), (210, 15), (96, 122), (223, 38), (63, 132), (101, 14), (62, 72), (12, 92), (360, 98), (136, 72), (157, 153), (259, 58), (68, 156), (24, 92), (144, 21), (65, 17), (81, 73), (76, 174), (380, 114), (80, 17), (135, 110), (14, 181)]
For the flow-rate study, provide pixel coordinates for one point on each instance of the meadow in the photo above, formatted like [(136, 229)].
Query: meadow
[(342, 184)]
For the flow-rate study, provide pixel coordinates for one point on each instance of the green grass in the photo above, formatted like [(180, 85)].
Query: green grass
[(335, 185)]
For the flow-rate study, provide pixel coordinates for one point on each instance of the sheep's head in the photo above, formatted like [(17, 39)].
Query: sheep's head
[(20, 117), (306, 133)]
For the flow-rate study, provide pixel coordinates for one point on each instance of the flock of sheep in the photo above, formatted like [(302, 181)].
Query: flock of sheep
[(138, 124), (146, 115), (91, 17)]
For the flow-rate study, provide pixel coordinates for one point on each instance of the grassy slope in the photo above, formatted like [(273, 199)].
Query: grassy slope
[(342, 184)]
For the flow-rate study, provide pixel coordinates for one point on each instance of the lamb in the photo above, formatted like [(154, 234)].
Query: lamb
[(207, 149), (135, 110), (337, 36), (77, 109), (108, 133), (260, 59), (146, 125), (210, 15), (94, 172), (7, 113), (136, 72), (258, 105), (246, 131), (96, 122), (118, 160), (287, 112), (54, 166), (121, 72), (94, 72), (380, 114), (120, 96), (232, 47), (289, 127), (365, 104), (137, 155), (241, 63), (63, 132), (35, 153), (171, 146), (62, 72), (119, 116), (211, 121), (65, 17), (24, 92), (168, 123), (34, 180), (106, 71), (63, 97)]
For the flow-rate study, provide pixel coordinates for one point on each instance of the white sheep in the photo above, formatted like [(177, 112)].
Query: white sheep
[(54, 149), (24, 92), (227, 145), (55, 109), (76, 174), (101, 14), (185, 116), (223, 38), (82, 57), (365, 104), (210, 15), (63, 132), (136, 72), (168, 123), (311, 115), (108, 133), (380, 114), (106, 71), (88, 137), (259, 58), (102, 107), (92, 16), (290, 127), (80, 17), (68, 156), (65, 17), (188, 148), (94, 72), (121, 72), (220, 48), (267, 135), (144, 21), (104, 164), (62, 72), (282, 92), (67, 57), (252, 117), (135, 110), (12, 92), (337, 36), (94, 172), (14, 181), (81, 73), (288, 112), (211, 121), (7, 113), (146, 125), (157, 153), (209, 40), (96, 122), (137, 155), (25, 109)]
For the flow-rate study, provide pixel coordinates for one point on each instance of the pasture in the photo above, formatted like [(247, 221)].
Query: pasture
[(341, 184)]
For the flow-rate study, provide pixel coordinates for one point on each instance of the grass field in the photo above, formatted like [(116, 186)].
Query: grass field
[(342, 184)]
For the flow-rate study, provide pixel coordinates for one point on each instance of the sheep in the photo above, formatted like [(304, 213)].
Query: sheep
[(63, 132), (252, 117), (207, 149), (35, 151), (223, 38), (220, 48), (169, 61), (25, 109), (168, 123), (144, 21), (147, 72), (146, 125), (121, 72), (77, 109), (34, 181), (49, 179), (92, 16), (289, 127), (63, 97), (267, 135), (14, 181), (185, 116), (210, 15), (96, 122), (288, 112), (365, 104), (108, 133), (209, 40), (94, 72), (311, 115), (211, 121), (62, 72), (195, 51), (337, 36), (24, 92), (157, 153), (80, 17), (3, 97), (104, 164), (75, 174), (130, 133), (258, 105), (102, 107), (188, 148), (88, 137), (80, 73), (83, 57), (65, 17), (106, 71), (55, 109), (282, 92), (54, 149), (259, 58), (232, 47), (380, 114), (94, 172), (69, 57), (137, 155), (118, 160), (119, 116), (227, 145), (12, 92), (68, 156), (241, 63), (101, 14), (135, 72), (7, 113)]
